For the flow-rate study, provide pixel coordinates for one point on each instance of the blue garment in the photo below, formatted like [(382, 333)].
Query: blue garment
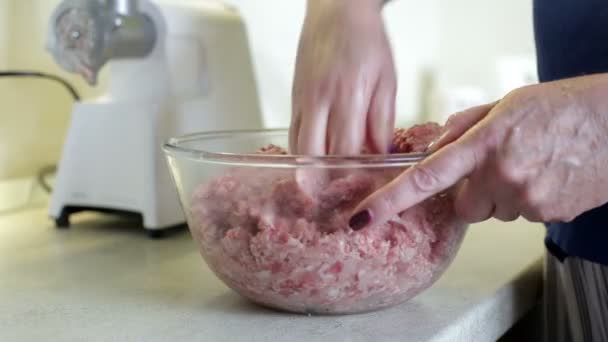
[(572, 40)]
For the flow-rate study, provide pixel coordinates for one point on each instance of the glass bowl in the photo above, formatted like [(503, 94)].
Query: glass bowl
[(274, 227)]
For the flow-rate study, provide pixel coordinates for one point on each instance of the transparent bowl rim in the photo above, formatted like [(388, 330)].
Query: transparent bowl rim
[(174, 147)]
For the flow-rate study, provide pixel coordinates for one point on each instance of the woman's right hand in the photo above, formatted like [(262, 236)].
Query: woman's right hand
[(345, 84)]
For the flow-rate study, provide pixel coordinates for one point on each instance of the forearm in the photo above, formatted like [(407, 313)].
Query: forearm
[(583, 95)]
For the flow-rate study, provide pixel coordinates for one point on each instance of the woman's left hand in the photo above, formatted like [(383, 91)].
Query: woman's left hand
[(541, 153)]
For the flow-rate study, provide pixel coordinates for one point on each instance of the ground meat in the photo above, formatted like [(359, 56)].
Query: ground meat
[(272, 149), (415, 139), (278, 246)]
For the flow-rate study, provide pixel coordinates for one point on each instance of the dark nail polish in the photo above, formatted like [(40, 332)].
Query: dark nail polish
[(360, 220)]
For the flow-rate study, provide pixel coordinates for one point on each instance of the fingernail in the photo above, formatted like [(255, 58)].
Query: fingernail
[(360, 220), (433, 145)]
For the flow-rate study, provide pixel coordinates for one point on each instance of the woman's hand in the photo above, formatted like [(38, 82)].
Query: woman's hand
[(344, 86), (541, 152)]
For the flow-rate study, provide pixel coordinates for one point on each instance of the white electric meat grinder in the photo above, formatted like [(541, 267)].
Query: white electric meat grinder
[(174, 67)]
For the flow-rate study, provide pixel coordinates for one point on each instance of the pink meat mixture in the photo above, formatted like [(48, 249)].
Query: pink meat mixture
[(280, 247)]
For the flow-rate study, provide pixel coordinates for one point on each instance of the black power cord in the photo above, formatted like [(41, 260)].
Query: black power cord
[(47, 170), (36, 74), (41, 177)]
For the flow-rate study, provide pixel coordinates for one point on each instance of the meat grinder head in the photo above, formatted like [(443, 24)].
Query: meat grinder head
[(85, 34)]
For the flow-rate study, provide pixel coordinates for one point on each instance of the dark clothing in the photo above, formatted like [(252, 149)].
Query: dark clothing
[(572, 40)]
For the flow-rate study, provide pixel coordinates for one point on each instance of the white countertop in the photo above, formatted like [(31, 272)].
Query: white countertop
[(103, 279)]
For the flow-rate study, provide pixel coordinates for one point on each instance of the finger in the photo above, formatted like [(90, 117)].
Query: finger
[(346, 127), (381, 116), (296, 112), (506, 213), (312, 141), (294, 129), (459, 123), (312, 181), (430, 177), (313, 131), (505, 195), (531, 215), (307, 136), (473, 202)]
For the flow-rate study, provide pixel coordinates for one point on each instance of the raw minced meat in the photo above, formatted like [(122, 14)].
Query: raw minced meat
[(278, 246), (272, 149), (415, 139)]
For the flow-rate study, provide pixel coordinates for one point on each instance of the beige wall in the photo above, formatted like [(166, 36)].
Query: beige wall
[(476, 33), (4, 25)]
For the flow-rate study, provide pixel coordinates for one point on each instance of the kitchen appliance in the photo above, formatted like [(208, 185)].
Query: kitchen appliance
[(173, 67)]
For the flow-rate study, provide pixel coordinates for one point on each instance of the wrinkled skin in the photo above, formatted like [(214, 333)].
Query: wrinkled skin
[(541, 153), (344, 85)]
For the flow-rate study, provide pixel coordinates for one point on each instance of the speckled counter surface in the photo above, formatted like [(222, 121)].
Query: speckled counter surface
[(103, 279)]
